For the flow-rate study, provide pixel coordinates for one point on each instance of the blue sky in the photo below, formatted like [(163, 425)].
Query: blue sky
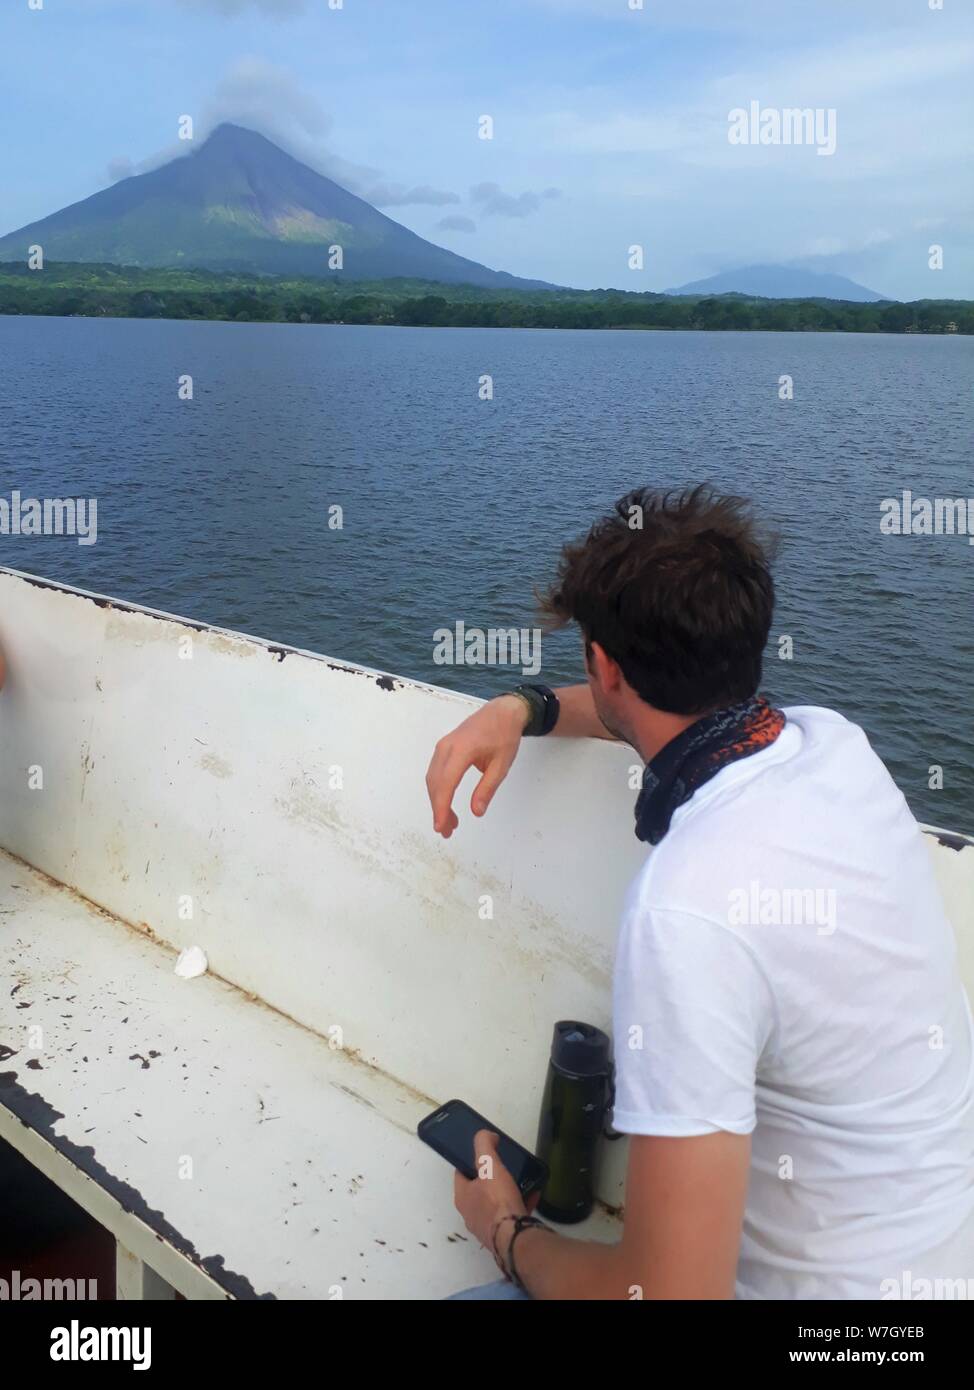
[(610, 123)]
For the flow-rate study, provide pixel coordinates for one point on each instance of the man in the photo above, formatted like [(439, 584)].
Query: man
[(802, 1106)]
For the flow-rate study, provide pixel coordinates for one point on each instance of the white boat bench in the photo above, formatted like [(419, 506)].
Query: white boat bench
[(251, 1133)]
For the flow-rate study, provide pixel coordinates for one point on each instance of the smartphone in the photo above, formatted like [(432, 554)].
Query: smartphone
[(450, 1131)]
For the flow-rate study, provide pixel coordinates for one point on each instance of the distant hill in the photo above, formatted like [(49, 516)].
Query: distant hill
[(781, 282), (239, 203)]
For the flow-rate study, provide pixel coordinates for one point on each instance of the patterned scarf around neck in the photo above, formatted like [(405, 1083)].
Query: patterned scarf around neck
[(696, 755)]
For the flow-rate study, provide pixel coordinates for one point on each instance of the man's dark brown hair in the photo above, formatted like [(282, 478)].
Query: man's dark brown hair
[(676, 587)]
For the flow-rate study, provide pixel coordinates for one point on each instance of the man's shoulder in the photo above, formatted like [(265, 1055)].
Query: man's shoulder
[(784, 812), (818, 717)]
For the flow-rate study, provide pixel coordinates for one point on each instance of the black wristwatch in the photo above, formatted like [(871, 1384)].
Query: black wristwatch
[(544, 708)]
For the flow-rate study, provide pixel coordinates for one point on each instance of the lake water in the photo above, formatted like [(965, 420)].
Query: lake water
[(454, 508)]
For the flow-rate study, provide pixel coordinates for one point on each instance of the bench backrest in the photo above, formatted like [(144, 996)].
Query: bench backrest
[(270, 806)]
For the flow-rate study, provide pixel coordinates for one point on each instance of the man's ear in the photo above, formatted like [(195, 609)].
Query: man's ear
[(604, 669)]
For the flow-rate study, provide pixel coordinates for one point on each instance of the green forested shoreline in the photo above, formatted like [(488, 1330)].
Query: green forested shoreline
[(69, 289)]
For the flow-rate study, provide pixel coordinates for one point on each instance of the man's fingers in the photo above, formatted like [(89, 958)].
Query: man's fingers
[(484, 1145), (496, 770), (444, 776)]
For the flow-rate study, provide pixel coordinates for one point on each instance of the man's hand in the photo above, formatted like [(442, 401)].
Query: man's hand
[(684, 1208), (488, 741), (488, 1200)]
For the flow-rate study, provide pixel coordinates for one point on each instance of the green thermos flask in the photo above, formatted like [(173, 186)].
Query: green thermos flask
[(577, 1096)]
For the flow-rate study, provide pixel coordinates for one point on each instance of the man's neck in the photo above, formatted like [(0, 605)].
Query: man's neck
[(653, 730)]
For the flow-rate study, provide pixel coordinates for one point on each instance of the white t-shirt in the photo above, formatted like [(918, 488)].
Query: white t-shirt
[(786, 956)]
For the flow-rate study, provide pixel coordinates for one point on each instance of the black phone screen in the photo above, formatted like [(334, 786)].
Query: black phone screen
[(450, 1131)]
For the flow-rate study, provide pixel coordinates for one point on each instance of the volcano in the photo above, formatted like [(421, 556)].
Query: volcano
[(240, 203)]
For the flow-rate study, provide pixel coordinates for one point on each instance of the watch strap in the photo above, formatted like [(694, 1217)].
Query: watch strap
[(544, 709)]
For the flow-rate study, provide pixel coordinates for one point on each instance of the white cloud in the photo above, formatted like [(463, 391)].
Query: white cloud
[(883, 122), (260, 94), (277, 9), (862, 66), (768, 18), (121, 167), (390, 195), (826, 247), (268, 98), (658, 164), (631, 132)]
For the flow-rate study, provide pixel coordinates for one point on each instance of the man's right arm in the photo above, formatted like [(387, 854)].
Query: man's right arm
[(489, 741), (576, 715)]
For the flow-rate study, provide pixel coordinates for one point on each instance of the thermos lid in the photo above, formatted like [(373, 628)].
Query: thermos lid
[(580, 1049)]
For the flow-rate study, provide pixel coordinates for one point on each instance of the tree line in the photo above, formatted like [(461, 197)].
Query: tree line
[(73, 290)]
